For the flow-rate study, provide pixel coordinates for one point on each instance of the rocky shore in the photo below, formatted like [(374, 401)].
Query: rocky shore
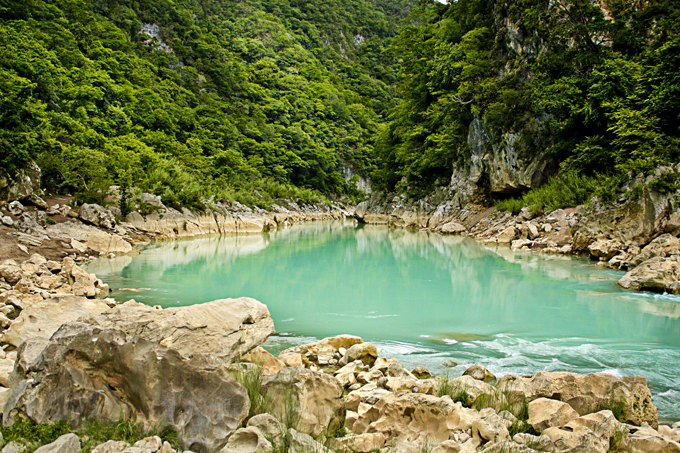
[(636, 234), (71, 354)]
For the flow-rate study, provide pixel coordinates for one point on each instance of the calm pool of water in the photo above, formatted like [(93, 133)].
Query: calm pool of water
[(444, 302)]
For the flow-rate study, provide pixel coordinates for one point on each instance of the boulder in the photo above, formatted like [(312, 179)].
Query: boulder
[(480, 373), (577, 440), (663, 246), (367, 442), (16, 208), (605, 249), (111, 446), (366, 352), (656, 274), (651, 441), (91, 237), (421, 372), (304, 443), (11, 273), (587, 393), (68, 443), (545, 413), (97, 215), (137, 361), (507, 235), (269, 426), (453, 228), (308, 399), (248, 440), (490, 428), (470, 386), (262, 358)]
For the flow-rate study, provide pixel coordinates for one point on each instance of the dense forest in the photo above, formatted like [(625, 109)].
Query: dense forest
[(594, 84), (256, 100), (249, 101)]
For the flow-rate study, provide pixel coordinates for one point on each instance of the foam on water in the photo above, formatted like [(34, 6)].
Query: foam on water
[(425, 299)]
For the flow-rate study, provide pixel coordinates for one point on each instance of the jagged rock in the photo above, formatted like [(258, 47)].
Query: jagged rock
[(507, 235), (7, 221), (453, 228), (11, 273), (421, 372), (663, 246), (294, 359), (304, 443), (366, 352), (369, 394), (669, 433), (556, 216), (602, 423), (136, 360), (6, 367), (91, 237), (25, 183), (657, 274), (480, 373), (545, 413), (248, 440), (577, 440), (315, 397), (366, 443), (262, 358), (269, 426), (97, 216), (152, 444), (587, 393), (68, 443), (490, 428), (111, 446), (652, 444), (605, 249), (472, 387), (36, 201), (16, 208)]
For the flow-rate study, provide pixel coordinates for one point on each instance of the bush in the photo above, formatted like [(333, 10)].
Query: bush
[(568, 191)]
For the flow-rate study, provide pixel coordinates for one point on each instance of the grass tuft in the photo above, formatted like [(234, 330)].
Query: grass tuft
[(568, 191)]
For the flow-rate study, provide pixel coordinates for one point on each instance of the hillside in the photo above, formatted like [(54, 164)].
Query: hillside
[(500, 96), (247, 101)]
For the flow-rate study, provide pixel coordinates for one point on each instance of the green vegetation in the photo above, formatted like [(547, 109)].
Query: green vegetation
[(247, 101), (596, 89), (568, 191), (92, 433)]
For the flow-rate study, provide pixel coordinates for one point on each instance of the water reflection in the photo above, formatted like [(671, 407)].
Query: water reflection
[(425, 297)]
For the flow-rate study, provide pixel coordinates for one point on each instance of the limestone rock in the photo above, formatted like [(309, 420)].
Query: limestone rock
[(656, 274), (366, 352), (578, 440), (650, 441), (248, 440), (93, 238), (587, 393), (472, 387), (68, 443), (16, 208), (97, 216), (453, 228), (260, 357), (134, 359), (490, 428), (304, 443), (111, 446), (315, 397), (480, 373), (605, 249), (269, 426), (507, 235), (11, 273), (545, 413), (663, 246), (421, 372), (602, 423)]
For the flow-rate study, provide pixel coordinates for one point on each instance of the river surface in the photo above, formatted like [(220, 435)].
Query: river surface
[(444, 302)]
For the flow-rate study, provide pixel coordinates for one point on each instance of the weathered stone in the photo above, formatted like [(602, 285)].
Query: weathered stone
[(111, 446), (68, 443), (490, 428), (16, 208), (91, 237), (315, 397), (262, 358), (605, 249), (7, 221), (304, 443), (545, 413), (578, 440), (453, 228), (10, 273), (602, 423), (248, 440), (507, 235), (97, 216), (137, 360), (269, 426), (587, 393), (472, 387), (367, 442), (153, 443), (421, 372), (366, 352), (480, 373), (294, 359), (656, 274)]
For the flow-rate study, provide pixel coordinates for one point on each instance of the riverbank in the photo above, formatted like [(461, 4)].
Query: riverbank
[(72, 354)]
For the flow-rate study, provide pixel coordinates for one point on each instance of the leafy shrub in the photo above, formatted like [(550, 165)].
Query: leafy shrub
[(568, 191)]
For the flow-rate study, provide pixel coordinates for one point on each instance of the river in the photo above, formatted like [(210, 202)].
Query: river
[(444, 302)]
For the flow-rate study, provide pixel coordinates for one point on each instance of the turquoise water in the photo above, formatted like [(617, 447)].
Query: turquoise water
[(444, 302)]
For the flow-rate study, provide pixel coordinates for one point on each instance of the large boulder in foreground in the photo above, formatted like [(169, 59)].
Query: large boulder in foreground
[(658, 274), (589, 393), (148, 364)]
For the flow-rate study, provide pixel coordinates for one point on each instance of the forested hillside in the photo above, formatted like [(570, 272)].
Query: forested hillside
[(582, 87), (250, 100)]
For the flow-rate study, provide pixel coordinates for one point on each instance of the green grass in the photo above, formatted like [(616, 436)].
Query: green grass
[(91, 434), (456, 391), (617, 406), (568, 191), (618, 442)]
